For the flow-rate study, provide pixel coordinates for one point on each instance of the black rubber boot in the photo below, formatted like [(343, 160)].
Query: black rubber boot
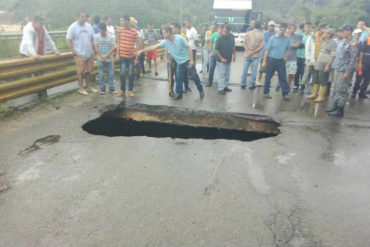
[(338, 113)]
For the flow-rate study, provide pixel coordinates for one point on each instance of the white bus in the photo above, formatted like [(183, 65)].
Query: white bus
[(237, 13)]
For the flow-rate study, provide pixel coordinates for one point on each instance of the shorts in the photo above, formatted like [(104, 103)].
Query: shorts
[(291, 67), (84, 65), (151, 55), (321, 77)]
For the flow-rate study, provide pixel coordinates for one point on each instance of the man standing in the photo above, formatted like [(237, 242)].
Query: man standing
[(80, 36), (127, 43), (182, 54), (192, 35), (346, 67), (363, 74), (151, 37), (225, 51), (110, 27), (295, 43), (276, 55), (362, 25), (324, 63), (338, 54), (213, 58), (253, 44), (206, 51), (96, 24), (301, 57), (104, 46), (36, 39), (270, 32), (314, 44)]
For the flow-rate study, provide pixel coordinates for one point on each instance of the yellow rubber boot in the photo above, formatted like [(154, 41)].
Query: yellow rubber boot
[(315, 90), (322, 94)]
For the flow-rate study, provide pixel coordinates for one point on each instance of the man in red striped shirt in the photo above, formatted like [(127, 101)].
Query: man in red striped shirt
[(127, 45)]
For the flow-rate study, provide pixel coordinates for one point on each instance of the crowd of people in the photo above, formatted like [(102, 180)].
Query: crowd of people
[(299, 54)]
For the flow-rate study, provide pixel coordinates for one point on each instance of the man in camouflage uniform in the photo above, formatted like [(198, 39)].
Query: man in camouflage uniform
[(346, 67)]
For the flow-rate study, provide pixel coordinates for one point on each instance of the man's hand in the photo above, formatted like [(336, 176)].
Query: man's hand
[(138, 53), (191, 63), (285, 59), (117, 57), (327, 68), (346, 76), (223, 60), (263, 65), (234, 59)]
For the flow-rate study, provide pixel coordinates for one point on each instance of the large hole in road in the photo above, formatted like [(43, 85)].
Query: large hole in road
[(174, 122)]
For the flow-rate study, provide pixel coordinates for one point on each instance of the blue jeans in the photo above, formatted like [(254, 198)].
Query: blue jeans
[(279, 66), (101, 67), (127, 63), (205, 60), (224, 70), (248, 61), (212, 67), (181, 70)]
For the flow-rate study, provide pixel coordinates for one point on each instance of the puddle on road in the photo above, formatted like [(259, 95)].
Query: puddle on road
[(40, 143), (163, 121)]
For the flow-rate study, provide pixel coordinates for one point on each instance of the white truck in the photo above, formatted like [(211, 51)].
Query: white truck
[(237, 13)]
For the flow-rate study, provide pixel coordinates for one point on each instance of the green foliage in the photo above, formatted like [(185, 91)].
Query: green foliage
[(61, 13)]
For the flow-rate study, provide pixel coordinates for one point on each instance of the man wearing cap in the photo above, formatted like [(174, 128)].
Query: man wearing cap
[(346, 68), (267, 35), (324, 62), (364, 32)]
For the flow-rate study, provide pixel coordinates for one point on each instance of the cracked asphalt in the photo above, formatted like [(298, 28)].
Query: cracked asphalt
[(307, 187)]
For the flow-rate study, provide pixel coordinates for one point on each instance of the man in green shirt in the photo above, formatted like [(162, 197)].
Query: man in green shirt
[(213, 61), (301, 58)]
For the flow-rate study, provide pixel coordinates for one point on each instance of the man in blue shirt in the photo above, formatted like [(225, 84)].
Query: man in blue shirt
[(276, 55), (268, 34), (182, 53)]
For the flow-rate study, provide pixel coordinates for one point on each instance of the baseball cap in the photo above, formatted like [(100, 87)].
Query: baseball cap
[(347, 27), (272, 23), (358, 30), (133, 20), (330, 31)]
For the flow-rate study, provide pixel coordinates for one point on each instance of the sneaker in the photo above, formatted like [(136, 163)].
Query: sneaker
[(131, 94), (102, 92), (172, 94), (201, 94), (83, 92), (286, 98), (113, 92), (92, 90), (243, 86), (156, 73), (121, 93), (277, 89), (227, 90), (252, 87), (267, 96), (222, 92), (188, 90), (363, 96), (177, 97)]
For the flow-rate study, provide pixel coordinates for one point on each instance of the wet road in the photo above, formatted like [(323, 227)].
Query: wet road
[(306, 187)]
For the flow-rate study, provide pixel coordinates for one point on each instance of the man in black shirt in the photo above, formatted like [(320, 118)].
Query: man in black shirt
[(225, 51)]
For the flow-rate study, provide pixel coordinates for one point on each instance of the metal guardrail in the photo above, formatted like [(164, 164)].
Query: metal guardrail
[(29, 75), (7, 36)]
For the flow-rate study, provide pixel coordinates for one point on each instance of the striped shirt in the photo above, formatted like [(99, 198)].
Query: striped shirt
[(127, 40)]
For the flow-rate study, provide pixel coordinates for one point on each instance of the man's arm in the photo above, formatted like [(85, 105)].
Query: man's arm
[(234, 54), (265, 58), (50, 42), (218, 54), (287, 52), (149, 48), (190, 52), (71, 48)]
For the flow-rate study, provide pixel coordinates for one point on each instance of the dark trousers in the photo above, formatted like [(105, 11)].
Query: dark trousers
[(300, 71), (362, 83), (181, 75), (195, 56), (141, 62), (172, 66), (272, 66), (212, 68)]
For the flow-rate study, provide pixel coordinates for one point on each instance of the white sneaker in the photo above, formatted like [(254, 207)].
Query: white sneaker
[(102, 92), (113, 92), (92, 90), (83, 92)]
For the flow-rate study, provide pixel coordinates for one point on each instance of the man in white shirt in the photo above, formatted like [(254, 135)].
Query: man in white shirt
[(192, 35), (36, 39), (110, 27)]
